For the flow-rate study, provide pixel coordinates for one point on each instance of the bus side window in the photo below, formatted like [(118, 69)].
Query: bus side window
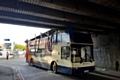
[(32, 50), (0, 53), (59, 38), (54, 39), (39, 51), (65, 52)]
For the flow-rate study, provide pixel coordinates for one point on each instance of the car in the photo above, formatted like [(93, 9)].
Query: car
[(1, 54), (10, 54)]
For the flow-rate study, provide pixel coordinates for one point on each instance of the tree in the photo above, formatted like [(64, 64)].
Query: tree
[(19, 46)]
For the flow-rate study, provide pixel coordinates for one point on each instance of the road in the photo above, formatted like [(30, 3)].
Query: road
[(35, 73)]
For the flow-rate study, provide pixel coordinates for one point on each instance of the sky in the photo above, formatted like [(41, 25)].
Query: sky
[(18, 33)]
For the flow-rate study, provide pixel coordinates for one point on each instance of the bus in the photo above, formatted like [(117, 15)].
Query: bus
[(61, 51)]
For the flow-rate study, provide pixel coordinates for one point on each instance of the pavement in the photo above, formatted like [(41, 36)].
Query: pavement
[(111, 73), (8, 73)]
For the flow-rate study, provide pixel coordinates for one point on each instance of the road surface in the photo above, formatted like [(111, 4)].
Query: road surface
[(34, 73)]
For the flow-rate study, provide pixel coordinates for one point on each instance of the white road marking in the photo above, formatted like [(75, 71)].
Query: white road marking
[(21, 74)]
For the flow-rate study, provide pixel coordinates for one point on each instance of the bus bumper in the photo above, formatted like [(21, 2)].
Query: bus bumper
[(75, 71), (78, 71)]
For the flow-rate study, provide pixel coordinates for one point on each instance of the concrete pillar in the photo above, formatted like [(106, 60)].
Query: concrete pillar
[(106, 49)]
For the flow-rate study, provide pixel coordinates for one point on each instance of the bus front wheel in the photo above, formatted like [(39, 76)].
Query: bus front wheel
[(54, 67)]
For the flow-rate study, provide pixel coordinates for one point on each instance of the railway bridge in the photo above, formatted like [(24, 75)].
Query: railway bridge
[(99, 17)]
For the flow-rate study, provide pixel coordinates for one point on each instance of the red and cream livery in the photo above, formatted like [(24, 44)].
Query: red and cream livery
[(56, 52)]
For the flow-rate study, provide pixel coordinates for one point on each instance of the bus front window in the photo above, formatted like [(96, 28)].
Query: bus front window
[(86, 53), (81, 54)]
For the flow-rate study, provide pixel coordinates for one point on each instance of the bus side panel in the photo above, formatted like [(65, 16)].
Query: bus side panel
[(42, 65), (37, 63), (41, 61)]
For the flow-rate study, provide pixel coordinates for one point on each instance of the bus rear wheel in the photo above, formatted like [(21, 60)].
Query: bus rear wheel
[(31, 62), (54, 67)]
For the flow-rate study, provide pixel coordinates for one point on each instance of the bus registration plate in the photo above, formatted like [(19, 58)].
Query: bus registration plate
[(86, 71)]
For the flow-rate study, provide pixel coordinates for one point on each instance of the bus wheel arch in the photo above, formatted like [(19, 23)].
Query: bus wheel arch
[(53, 67)]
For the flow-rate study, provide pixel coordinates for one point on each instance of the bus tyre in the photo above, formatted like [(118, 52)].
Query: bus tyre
[(54, 67), (31, 62)]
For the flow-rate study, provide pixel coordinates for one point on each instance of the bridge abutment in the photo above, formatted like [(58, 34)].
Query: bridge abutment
[(106, 49)]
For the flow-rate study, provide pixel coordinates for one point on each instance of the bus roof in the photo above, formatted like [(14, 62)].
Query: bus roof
[(84, 37), (50, 32)]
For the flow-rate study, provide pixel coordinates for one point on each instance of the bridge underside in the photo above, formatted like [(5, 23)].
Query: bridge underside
[(98, 16), (86, 15)]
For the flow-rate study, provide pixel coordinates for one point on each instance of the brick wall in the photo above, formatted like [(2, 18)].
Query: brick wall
[(106, 50)]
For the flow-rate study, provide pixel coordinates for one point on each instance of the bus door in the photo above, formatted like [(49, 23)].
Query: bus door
[(65, 59), (65, 53)]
